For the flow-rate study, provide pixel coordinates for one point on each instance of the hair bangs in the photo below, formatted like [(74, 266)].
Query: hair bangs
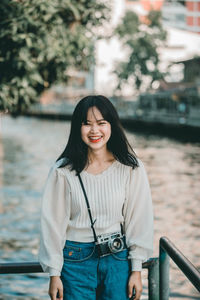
[(90, 102)]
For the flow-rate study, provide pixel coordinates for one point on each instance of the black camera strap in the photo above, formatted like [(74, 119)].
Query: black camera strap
[(88, 207)]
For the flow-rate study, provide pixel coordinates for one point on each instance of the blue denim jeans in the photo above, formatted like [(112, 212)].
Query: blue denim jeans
[(85, 276)]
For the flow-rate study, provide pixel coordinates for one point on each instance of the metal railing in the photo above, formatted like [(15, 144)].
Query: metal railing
[(168, 249), (158, 270), (34, 267), (20, 268)]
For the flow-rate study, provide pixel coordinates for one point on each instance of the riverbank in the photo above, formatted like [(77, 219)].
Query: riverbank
[(139, 121)]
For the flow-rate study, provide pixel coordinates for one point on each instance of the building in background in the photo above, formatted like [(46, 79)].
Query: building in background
[(193, 15), (182, 14), (181, 20)]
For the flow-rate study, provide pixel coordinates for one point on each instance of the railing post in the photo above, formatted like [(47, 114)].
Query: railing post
[(153, 280), (163, 274)]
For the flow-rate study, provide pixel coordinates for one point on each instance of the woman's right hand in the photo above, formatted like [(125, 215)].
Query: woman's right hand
[(55, 286)]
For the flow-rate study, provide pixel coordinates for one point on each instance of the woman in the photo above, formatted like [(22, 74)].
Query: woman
[(106, 266)]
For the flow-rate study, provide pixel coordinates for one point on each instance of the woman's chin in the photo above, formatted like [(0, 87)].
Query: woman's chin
[(96, 146)]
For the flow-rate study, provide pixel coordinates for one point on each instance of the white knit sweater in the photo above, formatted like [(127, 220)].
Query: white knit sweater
[(117, 195)]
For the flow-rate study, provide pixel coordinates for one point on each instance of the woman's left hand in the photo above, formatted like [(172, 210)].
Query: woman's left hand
[(135, 282)]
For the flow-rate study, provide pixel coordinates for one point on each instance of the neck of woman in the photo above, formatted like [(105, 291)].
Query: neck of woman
[(100, 156)]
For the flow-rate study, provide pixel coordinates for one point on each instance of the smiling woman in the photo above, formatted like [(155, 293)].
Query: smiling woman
[(96, 130), (97, 175)]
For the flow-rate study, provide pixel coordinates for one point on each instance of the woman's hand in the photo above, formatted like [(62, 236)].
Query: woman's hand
[(55, 286), (135, 282)]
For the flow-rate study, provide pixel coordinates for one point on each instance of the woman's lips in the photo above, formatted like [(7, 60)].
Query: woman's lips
[(94, 139)]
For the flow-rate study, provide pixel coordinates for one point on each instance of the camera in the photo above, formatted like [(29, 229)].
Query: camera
[(110, 243)]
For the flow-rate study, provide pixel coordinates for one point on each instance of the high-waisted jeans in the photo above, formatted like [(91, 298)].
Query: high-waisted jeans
[(85, 276)]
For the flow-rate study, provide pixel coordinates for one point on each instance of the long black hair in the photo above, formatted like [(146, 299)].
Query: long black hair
[(75, 153)]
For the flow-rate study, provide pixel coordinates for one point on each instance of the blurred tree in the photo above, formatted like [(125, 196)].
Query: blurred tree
[(141, 40), (39, 40)]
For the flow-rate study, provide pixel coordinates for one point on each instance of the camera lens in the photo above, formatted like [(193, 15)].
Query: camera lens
[(116, 245)]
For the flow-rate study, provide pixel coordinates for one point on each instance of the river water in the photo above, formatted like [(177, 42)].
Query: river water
[(29, 146)]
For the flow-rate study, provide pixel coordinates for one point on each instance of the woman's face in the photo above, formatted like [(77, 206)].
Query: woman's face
[(97, 131)]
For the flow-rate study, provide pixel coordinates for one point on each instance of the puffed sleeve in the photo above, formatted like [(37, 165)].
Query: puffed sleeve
[(138, 217), (54, 218)]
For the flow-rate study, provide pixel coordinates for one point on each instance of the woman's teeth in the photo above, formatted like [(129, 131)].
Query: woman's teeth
[(94, 139)]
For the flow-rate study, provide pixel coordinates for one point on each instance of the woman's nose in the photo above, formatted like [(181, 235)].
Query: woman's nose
[(94, 128)]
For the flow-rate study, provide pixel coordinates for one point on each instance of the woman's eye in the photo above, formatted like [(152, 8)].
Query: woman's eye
[(102, 123)]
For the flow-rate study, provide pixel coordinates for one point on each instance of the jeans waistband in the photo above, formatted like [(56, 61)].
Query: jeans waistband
[(81, 244)]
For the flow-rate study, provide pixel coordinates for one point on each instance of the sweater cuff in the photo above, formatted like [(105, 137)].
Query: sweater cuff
[(136, 264), (53, 272)]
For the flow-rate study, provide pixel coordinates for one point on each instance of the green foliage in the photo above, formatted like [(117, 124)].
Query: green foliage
[(39, 40), (141, 41)]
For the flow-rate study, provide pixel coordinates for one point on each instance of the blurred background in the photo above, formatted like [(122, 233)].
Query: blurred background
[(144, 56)]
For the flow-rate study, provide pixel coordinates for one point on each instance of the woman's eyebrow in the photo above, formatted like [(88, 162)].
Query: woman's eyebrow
[(100, 120)]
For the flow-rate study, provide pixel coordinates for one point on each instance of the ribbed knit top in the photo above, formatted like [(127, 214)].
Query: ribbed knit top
[(120, 194)]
